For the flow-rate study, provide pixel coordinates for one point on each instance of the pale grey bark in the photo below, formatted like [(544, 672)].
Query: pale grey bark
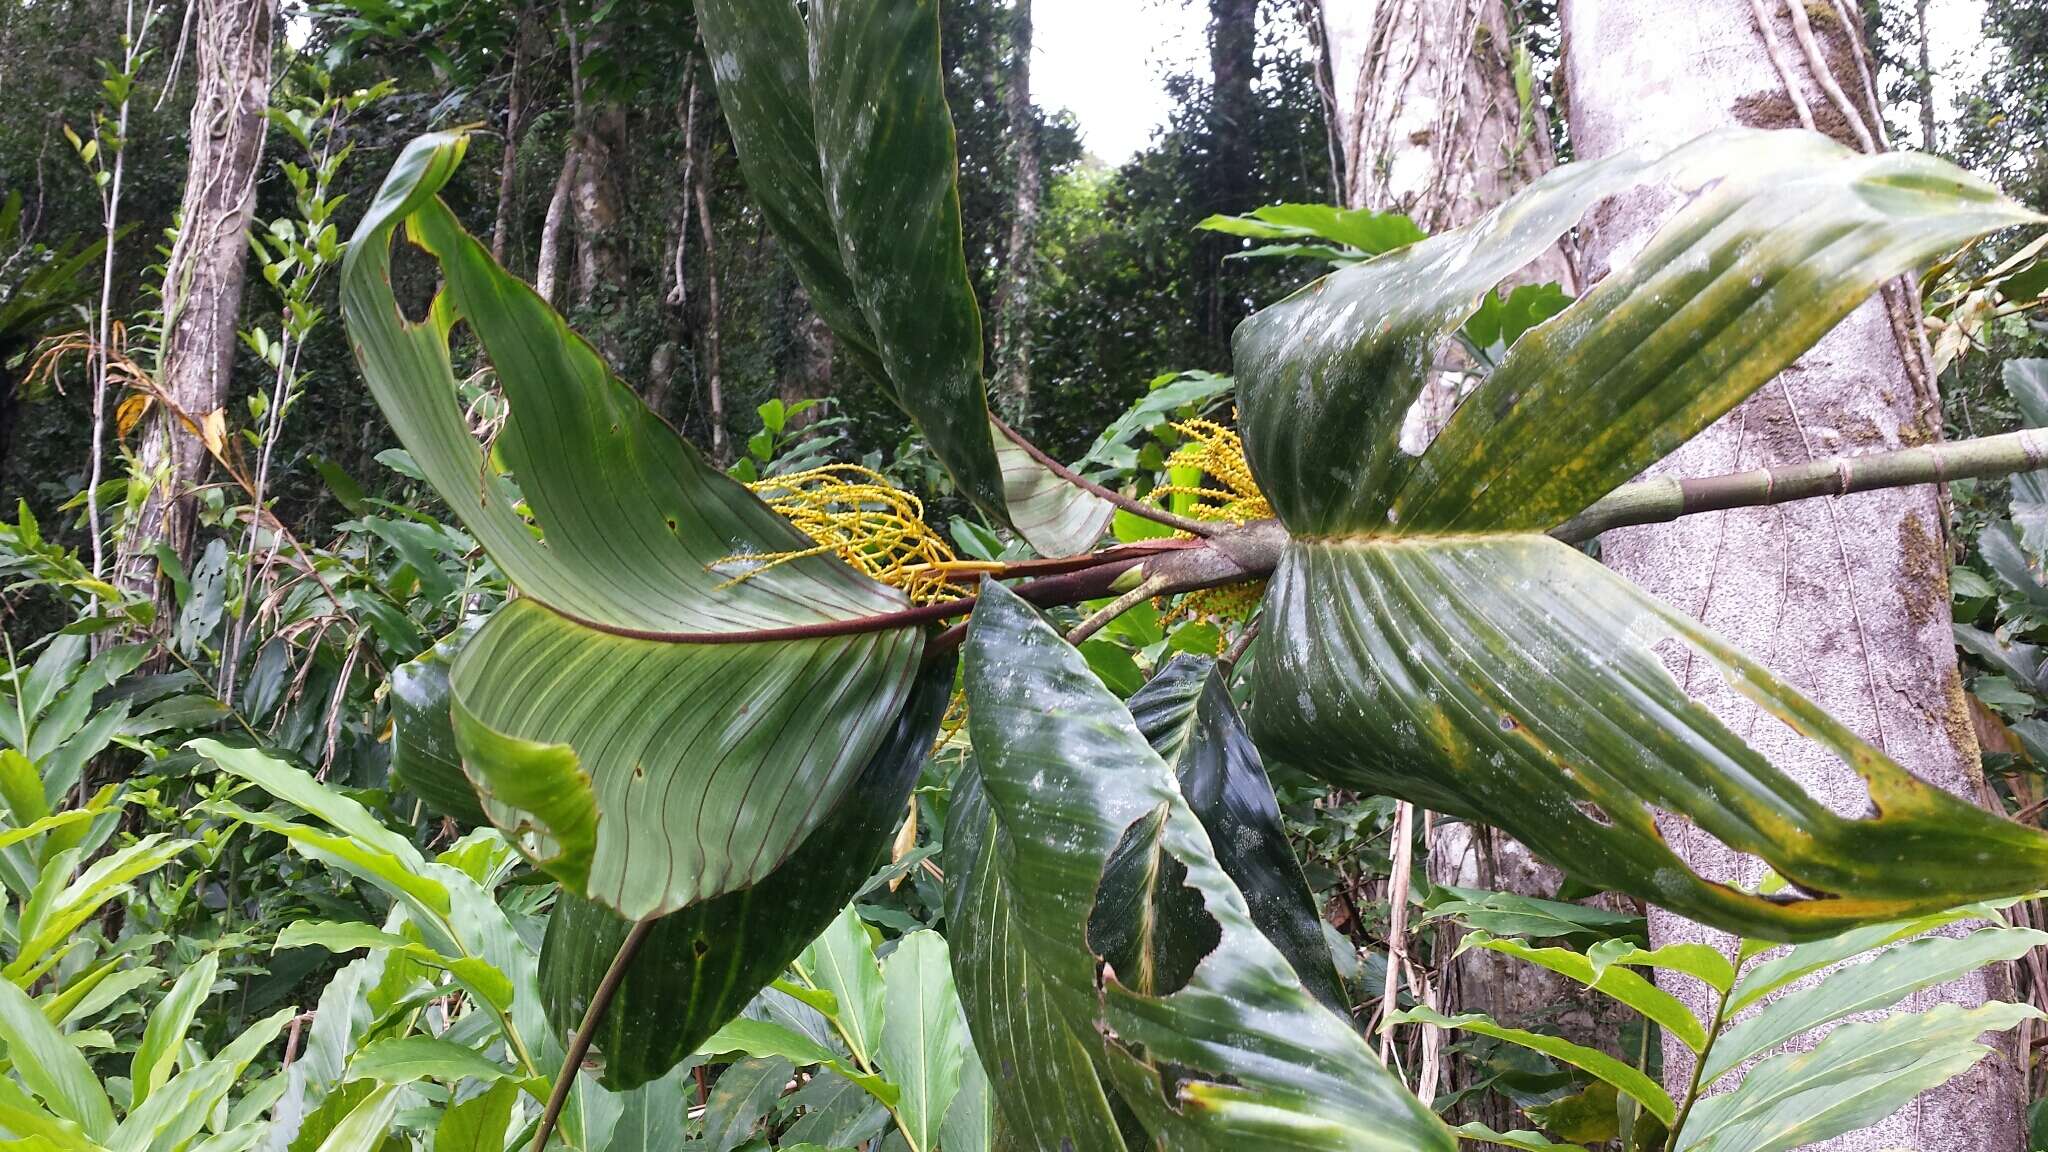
[(595, 206), (548, 265), (231, 47), (1846, 599), (1012, 391), (597, 142), (1430, 122)]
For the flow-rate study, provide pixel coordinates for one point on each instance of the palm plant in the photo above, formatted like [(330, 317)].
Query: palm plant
[(699, 721)]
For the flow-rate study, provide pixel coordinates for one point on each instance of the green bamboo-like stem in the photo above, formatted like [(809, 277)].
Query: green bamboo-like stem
[(1656, 501)]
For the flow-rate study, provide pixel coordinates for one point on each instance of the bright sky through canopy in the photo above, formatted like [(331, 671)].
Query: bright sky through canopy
[(1105, 61)]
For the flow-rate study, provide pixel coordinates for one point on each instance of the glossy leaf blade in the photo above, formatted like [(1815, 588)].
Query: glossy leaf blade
[(923, 1041), (636, 527), (1186, 713), (839, 115), (423, 752), (1794, 232), (1512, 681), (1326, 376), (1032, 1057), (1624, 1077), (1767, 976), (1613, 981), (1056, 517), (714, 761), (1729, 292), (701, 965), (761, 63), (1069, 782)]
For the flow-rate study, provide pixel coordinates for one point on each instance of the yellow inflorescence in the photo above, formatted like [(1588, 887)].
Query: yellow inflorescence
[(854, 513), (1219, 453)]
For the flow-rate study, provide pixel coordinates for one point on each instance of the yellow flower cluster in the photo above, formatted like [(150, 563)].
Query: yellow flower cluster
[(1218, 453), (854, 513)]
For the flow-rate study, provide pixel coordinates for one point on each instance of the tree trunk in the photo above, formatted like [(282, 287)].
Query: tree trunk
[(1233, 70), (594, 201), (805, 368), (1846, 599), (548, 266), (1315, 21), (699, 176), (1430, 122), (1924, 80), (231, 45), (515, 123), (598, 139), (675, 290), (1013, 300)]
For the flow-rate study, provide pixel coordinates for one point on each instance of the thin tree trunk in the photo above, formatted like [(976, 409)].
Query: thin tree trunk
[(203, 276), (1846, 599), (1013, 304), (1924, 80), (675, 282), (515, 123), (707, 239), (595, 207), (1314, 16), (1430, 122), (547, 277), (1232, 183), (549, 264), (599, 141)]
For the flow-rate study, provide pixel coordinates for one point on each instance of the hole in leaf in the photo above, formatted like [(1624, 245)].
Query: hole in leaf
[(415, 278), (1711, 857), (1148, 925)]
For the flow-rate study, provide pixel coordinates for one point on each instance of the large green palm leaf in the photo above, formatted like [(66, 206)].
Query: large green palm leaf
[(839, 116), (650, 730), (1425, 638)]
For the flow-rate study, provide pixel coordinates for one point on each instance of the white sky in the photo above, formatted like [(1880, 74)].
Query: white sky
[(1104, 60)]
